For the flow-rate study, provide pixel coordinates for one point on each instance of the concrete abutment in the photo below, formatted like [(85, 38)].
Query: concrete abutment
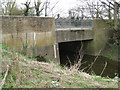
[(32, 36), (36, 36), (101, 36)]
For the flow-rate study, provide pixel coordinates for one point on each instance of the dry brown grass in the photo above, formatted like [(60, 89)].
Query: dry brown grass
[(33, 74)]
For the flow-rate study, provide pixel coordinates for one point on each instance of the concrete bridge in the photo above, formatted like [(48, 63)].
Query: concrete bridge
[(67, 35), (37, 36)]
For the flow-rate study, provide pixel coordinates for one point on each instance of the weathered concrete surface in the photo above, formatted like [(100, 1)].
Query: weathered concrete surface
[(0, 31), (31, 35), (0, 38), (0, 25), (94, 40), (36, 36), (73, 35), (101, 36), (27, 24)]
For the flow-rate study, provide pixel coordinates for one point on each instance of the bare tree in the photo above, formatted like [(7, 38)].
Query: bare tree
[(109, 7), (27, 8), (7, 6), (37, 5), (47, 3), (38, 9), (100, 9), (49, 8), (52, 8)]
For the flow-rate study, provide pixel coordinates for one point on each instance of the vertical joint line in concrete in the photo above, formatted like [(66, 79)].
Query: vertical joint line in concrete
[(55, 52), (34, 36), (0, 34), (0, 37), (26, 39)]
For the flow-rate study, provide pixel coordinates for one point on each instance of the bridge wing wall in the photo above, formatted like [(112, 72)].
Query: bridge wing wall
[(31, 35), (102, 32)]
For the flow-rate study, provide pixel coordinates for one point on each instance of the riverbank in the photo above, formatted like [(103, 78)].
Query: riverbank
[(23, 72), (111, 52)]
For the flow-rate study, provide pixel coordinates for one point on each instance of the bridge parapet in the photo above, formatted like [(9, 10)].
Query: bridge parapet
[(73, 35), (70, 23)]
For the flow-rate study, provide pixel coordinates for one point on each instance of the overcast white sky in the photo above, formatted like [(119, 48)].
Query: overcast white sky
[(63, 5)]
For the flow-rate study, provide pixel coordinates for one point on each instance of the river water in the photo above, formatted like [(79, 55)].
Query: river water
[(94, 65)]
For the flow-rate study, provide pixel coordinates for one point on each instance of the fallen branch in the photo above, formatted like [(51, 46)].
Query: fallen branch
[(94, 60), (3, 81), (103, 69)]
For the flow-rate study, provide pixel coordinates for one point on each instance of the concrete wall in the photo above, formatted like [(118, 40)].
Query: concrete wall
[(101, 36), (94, 40), (0, 31), (34, 36), (73, 35), (0, 25), (0, 37)]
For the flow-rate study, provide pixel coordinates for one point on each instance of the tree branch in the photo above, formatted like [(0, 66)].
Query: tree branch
[(3, 81)]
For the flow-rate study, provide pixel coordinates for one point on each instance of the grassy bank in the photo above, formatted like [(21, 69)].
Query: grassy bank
[(25, 72), (111, 52)]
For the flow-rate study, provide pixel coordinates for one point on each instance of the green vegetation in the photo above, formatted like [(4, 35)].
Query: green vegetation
[(111, 52), (28, 73)]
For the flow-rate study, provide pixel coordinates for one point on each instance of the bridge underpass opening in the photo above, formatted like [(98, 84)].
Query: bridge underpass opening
[(69, 55), (70, 52)]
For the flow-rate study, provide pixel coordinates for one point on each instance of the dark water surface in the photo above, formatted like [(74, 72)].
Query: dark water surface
[(102, 66)]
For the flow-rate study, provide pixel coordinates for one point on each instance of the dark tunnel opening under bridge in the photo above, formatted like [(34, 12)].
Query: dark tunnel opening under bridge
[(70, 53)]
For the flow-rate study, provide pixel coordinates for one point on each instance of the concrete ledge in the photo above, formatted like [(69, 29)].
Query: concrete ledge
[(15, 24)]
